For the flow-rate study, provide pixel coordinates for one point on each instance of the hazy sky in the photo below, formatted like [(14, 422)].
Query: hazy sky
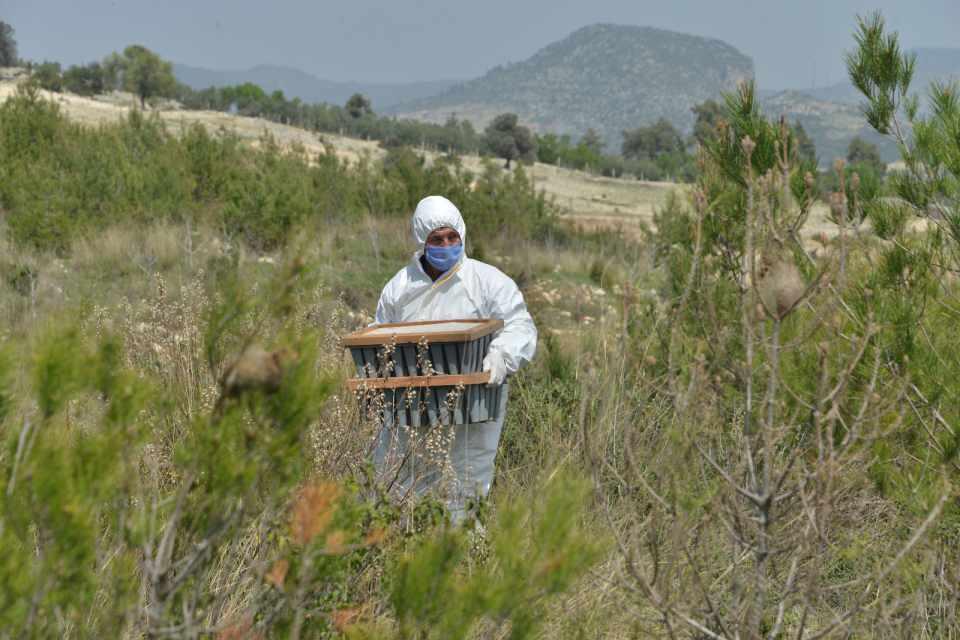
[(792, 43)]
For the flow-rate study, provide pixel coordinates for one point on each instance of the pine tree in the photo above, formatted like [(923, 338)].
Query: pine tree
[(709, 115), (592, 141), (859, 151), (806, 149), (8, 46), (930, 145)]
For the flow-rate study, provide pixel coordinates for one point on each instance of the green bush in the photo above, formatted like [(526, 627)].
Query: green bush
[(60, 180), (47, 76), (85, 80)]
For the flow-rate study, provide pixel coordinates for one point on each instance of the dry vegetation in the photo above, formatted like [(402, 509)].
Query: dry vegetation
[(730, 430), (593, 202)]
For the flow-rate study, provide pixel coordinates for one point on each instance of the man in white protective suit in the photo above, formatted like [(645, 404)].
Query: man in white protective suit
[(442, 283)]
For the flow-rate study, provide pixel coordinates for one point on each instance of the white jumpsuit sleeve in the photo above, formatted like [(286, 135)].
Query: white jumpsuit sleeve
[(517, 341), (386, 307)]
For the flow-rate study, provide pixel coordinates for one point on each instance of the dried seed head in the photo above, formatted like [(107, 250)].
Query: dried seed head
[(855, 181), (838, 165), (256, 369), (808, 180), (837, 201), (748, 145)]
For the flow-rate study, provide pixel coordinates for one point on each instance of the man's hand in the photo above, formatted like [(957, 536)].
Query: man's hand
[(497, 367)]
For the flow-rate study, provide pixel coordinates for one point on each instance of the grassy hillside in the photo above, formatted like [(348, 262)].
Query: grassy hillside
[(593, 201), (608, 77)]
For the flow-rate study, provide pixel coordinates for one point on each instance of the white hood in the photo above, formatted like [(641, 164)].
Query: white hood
[(432, 213)]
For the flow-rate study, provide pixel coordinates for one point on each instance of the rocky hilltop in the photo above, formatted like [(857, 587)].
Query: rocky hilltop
[(605, 76)]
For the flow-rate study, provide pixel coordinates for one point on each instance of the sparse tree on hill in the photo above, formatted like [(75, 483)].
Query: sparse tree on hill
[(709, 115), (509, 140), (653, 141), (84, 80), (8, 46), (112, 67), (592, 141), (358, 106), (806, 149), (141, 72), (47, 76), (862, 152), (548, 148)]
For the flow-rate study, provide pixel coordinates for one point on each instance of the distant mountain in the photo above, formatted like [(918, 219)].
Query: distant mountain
[(831, 125), (299, 84), (831, 115), (608, 77), (932, 64)]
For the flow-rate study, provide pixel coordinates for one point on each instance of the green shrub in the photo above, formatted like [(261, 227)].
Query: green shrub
[(85, 80), (61, 180), (47, 76)]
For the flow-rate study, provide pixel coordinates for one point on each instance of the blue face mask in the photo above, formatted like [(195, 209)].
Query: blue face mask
[(444, 258)]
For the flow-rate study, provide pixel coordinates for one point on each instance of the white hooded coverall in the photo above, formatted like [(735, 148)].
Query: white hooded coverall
[(471, 289)]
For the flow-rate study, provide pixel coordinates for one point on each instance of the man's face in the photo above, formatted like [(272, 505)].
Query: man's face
[(443, 237)]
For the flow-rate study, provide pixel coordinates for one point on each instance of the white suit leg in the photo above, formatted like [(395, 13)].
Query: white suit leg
[(472, 452), (473, 455)]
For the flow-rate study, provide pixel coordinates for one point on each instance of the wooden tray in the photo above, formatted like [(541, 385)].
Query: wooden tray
[(430, 330)]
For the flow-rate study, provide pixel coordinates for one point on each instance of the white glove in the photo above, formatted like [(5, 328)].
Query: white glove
[(495, 364)]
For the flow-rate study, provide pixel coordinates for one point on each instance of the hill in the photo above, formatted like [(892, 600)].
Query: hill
[(605, 76), (298, 84), (831, 125), (933, 64), (831, 114)]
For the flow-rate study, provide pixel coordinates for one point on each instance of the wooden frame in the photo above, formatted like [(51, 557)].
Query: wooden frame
[(418, 381), (363, 337)]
